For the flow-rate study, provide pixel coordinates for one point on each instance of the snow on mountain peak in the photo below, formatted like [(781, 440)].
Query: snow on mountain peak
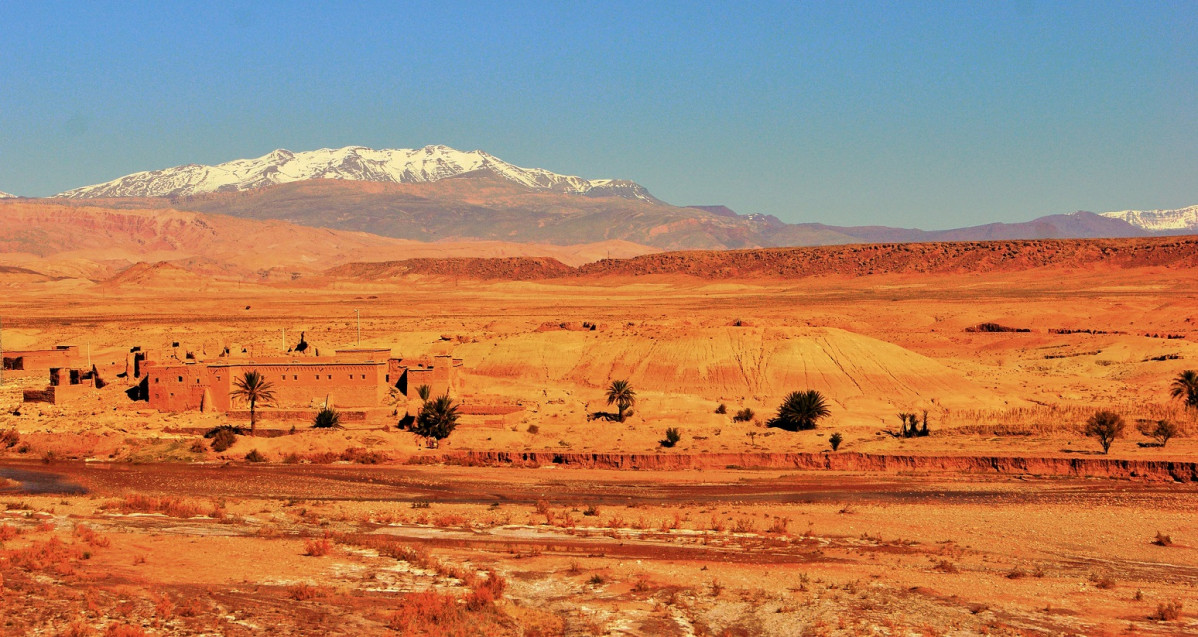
[(4, 195), (1183, 219), (358, 163)]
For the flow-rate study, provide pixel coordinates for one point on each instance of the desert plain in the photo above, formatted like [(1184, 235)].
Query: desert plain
[(533, 518)]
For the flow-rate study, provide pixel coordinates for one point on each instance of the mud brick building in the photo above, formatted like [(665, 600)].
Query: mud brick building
[(65, 384), (351, 379), (42, 360)]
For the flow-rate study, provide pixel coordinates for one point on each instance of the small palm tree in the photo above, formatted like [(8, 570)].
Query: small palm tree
[(620, 394), (800, 410), (437, 420), (327, 418), (424, 391), (253, 388), (1185, 387)]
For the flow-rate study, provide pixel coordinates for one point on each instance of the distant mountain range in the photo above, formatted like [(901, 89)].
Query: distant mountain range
[(4, 195), (438, 193), (352, 163), (1163, 221)]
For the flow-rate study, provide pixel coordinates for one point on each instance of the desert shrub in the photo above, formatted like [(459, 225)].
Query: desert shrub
[(672, 437), (945, 566), (327, 418), (1162, 540), (1106, 426), (744, 415), (53, 555), (486, 591), (318, 547), (835, 440), (254, 456), (1163, 431), (427, 613), (449, 519), (89, 535), (222, 437), (198, 446), (1168, 611), (595, 580), (722, 409), (8, 532), (9, 438), (172, 507), (534, 430), (291, 458), (305, 592), (359, 455), (995, 327)]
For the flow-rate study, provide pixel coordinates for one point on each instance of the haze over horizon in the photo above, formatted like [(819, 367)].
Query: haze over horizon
[(930, 116)]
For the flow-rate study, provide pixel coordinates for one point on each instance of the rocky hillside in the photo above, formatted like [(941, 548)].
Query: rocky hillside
[(505, 268), (922, 258), (849, 260)]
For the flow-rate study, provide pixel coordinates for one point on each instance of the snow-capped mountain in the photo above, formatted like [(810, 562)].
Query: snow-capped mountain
[(1182, 219), (4, 195), (428, 164)]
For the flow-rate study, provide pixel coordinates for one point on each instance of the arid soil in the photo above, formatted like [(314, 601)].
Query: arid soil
[(1005, 520), (301, 549)]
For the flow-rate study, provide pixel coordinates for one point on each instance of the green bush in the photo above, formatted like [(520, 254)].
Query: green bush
[(327, 418), (672, 437)]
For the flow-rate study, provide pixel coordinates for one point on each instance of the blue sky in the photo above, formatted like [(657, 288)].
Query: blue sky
[(922, 114)]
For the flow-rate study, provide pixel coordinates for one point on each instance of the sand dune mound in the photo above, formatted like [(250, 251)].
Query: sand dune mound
[(16, 276), (909, 258), (505, 268), (731, 361)]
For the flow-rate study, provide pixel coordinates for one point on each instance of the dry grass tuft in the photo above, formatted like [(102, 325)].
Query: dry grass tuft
[(1046, 420), (170, 507), (318, 547)]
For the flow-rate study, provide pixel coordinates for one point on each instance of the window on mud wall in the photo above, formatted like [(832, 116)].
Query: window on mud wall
[(180, 379)]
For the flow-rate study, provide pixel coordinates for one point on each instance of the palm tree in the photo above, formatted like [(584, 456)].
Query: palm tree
[(620, 394), (800, 410), (424, 391), (437, 420), (253, 388), (1185, 387)]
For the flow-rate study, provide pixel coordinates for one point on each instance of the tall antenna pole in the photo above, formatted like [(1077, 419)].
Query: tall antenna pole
[(359, 326)]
